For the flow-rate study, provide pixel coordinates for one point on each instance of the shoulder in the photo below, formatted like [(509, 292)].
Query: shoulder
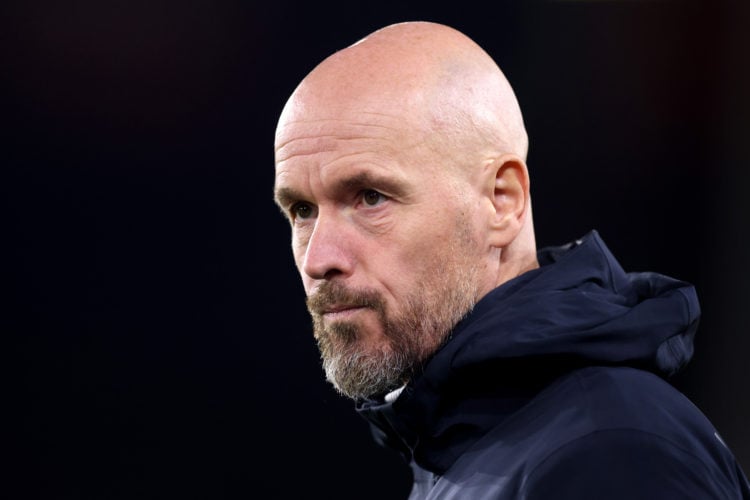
[(624, 397), (628, 463), (629, 434), (601, 429), (622, 401)]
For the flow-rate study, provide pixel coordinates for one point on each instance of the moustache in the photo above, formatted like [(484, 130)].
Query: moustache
[(332, 294)]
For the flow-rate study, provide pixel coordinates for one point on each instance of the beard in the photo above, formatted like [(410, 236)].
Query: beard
[(438, 301)]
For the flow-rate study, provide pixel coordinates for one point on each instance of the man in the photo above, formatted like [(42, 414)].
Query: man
[(497, 370)]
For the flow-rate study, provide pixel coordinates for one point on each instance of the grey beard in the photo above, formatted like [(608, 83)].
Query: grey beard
[(358, 374), (410, 339)]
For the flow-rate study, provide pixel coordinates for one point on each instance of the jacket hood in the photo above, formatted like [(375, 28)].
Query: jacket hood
[(579, 308)]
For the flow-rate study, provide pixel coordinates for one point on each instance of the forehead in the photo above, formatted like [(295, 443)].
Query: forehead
[(317, 145), (307, 136), (340, 100)]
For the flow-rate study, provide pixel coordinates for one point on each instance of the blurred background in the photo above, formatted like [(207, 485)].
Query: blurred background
[(160, 347)]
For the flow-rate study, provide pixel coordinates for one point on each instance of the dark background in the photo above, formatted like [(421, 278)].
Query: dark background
[(160, 347)]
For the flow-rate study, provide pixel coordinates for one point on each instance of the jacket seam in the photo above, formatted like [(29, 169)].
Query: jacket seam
[(658, 437)]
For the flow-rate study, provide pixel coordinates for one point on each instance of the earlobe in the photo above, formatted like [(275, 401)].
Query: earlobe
[(510, 196)]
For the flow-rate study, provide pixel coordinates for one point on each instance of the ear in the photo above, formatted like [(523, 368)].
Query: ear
[(507, 185)]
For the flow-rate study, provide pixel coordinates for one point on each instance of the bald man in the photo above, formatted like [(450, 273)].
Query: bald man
[(497, 370)]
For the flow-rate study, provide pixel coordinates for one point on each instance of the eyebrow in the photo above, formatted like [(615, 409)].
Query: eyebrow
[(285, 196), (363, 180)]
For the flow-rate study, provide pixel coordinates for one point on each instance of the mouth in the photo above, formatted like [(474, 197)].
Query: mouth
[(340, 311)]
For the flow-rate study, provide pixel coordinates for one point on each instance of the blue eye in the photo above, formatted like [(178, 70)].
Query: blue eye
[(372, 197)]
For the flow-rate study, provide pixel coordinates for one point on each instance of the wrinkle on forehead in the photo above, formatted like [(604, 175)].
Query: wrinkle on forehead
[(307, 137), (339, 128)]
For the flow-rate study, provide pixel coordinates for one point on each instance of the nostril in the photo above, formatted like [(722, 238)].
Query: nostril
[(331, 274)]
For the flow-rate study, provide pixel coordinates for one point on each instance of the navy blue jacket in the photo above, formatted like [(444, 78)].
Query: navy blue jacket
[(554, 387)]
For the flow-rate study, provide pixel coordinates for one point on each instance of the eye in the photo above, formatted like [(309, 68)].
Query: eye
[(372, 197), (301, 211)]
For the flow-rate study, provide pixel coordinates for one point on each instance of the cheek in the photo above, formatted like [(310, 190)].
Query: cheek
[(298, 254), (415, 255), (451, 241), (299, 246)]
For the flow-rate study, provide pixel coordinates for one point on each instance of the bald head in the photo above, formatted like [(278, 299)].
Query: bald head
[(434, 77)]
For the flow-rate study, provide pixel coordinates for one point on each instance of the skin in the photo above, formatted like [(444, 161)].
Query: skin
[(400, 164)]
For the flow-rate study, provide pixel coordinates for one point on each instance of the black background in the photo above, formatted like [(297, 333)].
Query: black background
[(160, 347)]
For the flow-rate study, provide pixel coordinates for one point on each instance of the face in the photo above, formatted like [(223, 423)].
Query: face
[(384, 240)]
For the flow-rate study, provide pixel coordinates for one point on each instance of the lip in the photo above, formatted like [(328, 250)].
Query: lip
[(338, 307), (340, 311)]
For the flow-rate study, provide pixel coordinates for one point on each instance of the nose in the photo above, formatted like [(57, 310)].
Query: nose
[(327, 252)]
